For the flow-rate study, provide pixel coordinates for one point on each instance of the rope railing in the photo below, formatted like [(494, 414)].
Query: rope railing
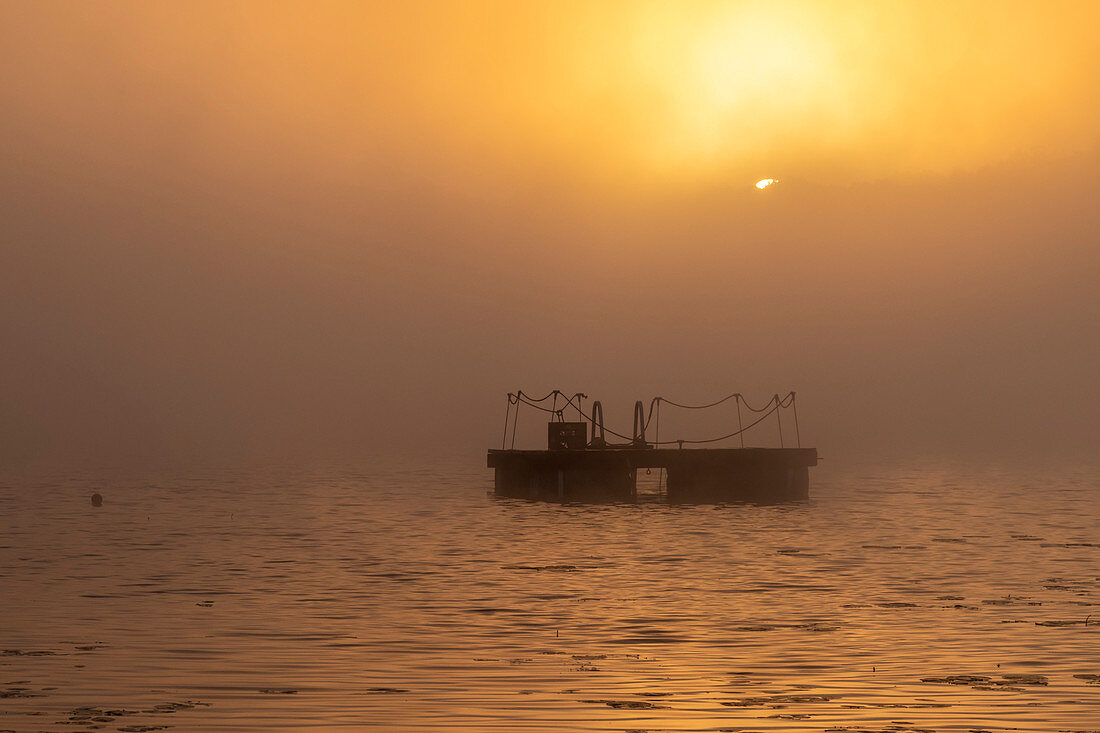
[(774, 406), (520, 397)]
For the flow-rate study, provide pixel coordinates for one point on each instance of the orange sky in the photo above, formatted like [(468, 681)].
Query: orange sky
[(652, 93), (257, 225)]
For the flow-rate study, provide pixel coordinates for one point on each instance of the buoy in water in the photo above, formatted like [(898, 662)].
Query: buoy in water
[(97, 500)]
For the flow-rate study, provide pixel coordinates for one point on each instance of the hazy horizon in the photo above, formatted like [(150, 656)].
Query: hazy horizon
[(268, 270), (329, 231)]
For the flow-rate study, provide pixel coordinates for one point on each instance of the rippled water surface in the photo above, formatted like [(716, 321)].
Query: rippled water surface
[(394, 598)]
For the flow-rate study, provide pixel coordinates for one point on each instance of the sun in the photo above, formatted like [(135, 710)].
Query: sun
[(754, 58), (730, 80), (765, 182)]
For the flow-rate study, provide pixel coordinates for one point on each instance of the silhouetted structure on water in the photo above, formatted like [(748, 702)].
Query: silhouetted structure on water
[(574, 467)]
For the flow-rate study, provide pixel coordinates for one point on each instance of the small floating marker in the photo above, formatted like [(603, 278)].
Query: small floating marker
[(97, 500)]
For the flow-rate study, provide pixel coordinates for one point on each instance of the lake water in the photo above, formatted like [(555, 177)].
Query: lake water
[(398, 597)]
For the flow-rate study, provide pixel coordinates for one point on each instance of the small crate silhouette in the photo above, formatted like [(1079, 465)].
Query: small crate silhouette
[(567, 435)]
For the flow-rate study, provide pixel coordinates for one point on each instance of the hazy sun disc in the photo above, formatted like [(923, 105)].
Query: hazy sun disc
[(765, 182)]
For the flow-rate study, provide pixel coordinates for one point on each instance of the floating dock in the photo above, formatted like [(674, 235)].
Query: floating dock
[(574, 468)]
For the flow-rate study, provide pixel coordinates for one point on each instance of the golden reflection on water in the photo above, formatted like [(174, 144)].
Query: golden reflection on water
[(411, 600)]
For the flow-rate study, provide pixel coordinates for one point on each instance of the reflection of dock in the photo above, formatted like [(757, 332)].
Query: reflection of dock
[(576, 468), (714, 474)]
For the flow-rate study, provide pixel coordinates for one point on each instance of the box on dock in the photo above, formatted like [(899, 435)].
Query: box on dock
[(567, 435)]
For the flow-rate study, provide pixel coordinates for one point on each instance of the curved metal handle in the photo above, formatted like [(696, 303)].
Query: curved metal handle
[(639, 425), (599, 439)]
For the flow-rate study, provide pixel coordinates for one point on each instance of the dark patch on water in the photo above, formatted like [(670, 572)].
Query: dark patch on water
[(777, 700), (1011, 682), (490, 611), (548, 568), (1011, 601), (1071, 544), (1026, 679), (95, 717), (957, 679), (655, 639), (627, 704)]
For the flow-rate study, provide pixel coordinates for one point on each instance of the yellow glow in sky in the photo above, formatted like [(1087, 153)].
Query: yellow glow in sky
[(636, 93), (735, 74), (879, 88)]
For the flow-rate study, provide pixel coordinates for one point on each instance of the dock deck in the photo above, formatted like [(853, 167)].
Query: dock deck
[(702, 474)]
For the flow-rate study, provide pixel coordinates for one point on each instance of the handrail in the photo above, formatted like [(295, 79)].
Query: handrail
[(601, 440), (639, 425), (599, 429)]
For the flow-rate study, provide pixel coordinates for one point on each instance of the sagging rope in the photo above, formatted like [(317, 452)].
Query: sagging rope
[(520, 397), (734, 434), (773, 406)]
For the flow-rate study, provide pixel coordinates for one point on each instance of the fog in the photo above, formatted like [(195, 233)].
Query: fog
[(245, 232)]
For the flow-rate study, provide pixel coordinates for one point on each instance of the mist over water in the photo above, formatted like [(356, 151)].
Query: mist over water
[(398, 597), (250, 231), (267, 272)]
